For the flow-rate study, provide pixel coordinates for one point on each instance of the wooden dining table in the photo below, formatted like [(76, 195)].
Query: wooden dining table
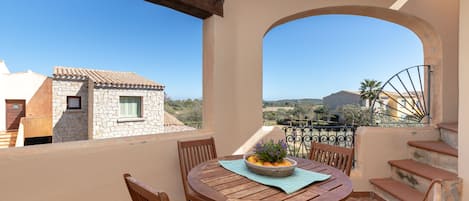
[(213, 182)]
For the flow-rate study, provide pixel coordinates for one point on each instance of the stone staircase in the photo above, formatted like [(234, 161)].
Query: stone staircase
[(428, 161), (7, 139)]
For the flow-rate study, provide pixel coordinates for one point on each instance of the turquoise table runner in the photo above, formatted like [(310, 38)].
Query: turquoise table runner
[(299, 179)]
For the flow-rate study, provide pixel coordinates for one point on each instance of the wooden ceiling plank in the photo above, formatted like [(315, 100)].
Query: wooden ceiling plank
[(198, 8)]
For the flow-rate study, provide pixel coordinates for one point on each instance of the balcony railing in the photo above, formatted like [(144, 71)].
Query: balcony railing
[(299, 138), (404, 100)]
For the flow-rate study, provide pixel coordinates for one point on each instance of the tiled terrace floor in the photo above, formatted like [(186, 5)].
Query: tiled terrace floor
[(370, 196), (361, 199)]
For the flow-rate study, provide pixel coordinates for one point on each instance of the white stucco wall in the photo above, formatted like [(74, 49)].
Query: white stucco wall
[(463, 137), (18, 86), (3, 68)]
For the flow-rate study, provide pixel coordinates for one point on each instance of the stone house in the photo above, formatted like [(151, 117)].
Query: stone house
[(336, 100), (97, 104), (341, 98)]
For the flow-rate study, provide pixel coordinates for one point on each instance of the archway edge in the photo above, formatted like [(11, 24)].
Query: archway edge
[(431, 40)]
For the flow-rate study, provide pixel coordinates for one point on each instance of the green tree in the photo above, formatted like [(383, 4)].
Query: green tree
[(189, 111), (369, 90), (269, 115), (355, 115), (321, 112)]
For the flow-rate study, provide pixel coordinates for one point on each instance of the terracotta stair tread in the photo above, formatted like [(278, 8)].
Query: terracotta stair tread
[(423, 170), (8, 139), (397, 189), (7, 136), (435, 146), (449, 126)]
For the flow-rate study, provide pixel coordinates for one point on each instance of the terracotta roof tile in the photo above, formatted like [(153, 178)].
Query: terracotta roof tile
[(104, 78), (170, 120)]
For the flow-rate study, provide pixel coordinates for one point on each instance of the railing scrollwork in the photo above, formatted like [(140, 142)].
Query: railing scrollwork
[(299, 138)]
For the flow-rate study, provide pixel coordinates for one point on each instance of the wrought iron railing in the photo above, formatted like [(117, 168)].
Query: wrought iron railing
[(404, 99), (299, 138)]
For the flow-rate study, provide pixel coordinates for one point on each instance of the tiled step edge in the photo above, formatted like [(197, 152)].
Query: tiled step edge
[(449, 126), (423, 170), (417, 175), (424, 152), (435, 146), (362, 195), (393, 190), (449, 133)]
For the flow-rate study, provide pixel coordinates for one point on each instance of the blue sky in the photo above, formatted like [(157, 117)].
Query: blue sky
[(316, 56), (307, 58), (126, 35)]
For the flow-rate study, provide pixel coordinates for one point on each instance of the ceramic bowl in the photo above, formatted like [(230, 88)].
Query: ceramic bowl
[(273, 171)]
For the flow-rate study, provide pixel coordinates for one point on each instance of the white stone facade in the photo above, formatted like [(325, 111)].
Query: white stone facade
[(101, 120), (108, 124), (69, 125)]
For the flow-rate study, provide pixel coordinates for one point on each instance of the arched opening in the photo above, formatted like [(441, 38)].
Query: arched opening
[(313, 68), (432, 48)]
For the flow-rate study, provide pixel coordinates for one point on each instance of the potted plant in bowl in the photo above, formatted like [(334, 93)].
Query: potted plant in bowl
[(270, 159)]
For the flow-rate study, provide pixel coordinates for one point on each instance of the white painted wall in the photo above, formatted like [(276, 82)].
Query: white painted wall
[(463, 137), (3, 68), (18, 86)]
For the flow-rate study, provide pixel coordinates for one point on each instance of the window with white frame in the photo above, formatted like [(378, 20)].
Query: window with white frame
[(130, 106)]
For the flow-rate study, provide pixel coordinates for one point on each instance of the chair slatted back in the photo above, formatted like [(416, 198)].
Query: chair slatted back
[(194, 152), (335, 156), (141, 192)]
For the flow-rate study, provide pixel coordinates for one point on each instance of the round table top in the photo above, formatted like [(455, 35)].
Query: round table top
[(213, 182)]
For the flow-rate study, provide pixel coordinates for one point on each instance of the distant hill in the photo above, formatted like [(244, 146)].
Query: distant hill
[(292, 102)]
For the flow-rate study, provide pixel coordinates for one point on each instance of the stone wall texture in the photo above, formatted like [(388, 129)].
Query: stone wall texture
[(108, 124), (69, 125)]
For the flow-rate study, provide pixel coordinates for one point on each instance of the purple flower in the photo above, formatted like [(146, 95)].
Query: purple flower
[(283, 144), (271, 151)]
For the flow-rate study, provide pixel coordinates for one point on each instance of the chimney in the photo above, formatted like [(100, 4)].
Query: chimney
[(3, 68)]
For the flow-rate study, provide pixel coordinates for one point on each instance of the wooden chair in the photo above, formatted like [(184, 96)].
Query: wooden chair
[(192, 153), (141, 192), (338, 157)]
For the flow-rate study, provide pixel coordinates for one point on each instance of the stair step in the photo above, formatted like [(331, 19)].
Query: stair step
[(397, 189), (449, 134), (8, 134), (423, 170), (434, 153), (449, 126), (7, 138), (435, 146)]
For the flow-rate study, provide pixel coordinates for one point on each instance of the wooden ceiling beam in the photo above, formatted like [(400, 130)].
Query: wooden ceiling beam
[(197, 8)]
